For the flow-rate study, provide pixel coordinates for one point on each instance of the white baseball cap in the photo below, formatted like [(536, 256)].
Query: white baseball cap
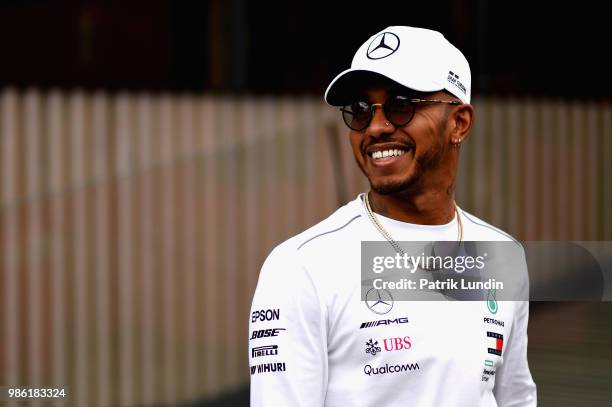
[(417, 58)]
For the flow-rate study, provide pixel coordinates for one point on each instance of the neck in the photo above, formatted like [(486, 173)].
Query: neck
[(431, 207)]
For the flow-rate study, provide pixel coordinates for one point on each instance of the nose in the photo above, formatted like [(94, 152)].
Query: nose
[(379, 124)]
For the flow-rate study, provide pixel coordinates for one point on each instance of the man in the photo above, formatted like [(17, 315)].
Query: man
[(313, 340)]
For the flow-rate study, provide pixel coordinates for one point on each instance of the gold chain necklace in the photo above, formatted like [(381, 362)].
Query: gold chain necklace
[(388, 236)]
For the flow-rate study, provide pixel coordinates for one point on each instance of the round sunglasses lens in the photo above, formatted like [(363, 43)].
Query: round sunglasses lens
[(399, 110), (357, 116)]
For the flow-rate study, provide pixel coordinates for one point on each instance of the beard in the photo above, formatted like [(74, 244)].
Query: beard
[(417, 180), (393, 187)]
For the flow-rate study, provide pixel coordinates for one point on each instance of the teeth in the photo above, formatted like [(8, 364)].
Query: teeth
[(387, 153)]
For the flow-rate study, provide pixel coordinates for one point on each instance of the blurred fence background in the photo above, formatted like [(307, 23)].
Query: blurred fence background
[(133, 226)]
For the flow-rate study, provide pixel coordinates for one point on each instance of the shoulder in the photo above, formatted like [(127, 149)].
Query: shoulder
[(331, 231), (477, 229), (319, 244), (296, 261)]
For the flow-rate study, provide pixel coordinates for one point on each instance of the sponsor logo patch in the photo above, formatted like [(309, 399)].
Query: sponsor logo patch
[(389, 345), (387, 369), (488, 371), (385, 322), (379, 301), (453, 78), (268, 368), (372, 347), (383, 45), (493, 321), (266, 333), (268, 350), (495, 343), (491, 301), (265, 315)]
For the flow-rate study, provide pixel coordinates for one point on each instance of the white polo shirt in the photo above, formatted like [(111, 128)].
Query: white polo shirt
[(314, 342)]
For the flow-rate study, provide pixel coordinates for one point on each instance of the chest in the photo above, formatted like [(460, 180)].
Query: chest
[(442, 337)]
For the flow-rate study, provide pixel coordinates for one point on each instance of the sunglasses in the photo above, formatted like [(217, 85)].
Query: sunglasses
[(399, 110)]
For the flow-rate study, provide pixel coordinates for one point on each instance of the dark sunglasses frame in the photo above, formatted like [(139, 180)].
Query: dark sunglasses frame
[(412, 102)]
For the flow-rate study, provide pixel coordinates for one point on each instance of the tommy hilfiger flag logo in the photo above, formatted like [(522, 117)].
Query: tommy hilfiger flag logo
[(495, 343)]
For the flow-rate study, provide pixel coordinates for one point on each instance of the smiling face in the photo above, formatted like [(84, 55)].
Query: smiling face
[(410, 157)]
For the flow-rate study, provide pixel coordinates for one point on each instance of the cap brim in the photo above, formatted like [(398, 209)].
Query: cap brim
[(350, 83)]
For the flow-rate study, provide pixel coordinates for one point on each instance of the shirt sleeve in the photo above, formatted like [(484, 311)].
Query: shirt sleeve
[(287, 336), (514, 385)]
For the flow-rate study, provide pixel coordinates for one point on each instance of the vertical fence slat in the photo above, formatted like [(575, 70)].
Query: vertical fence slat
[(211, 260), (79, 247), (530, 174), (563, 171), (514, 165), (577, 146), (231, 251), (144, 130), (592, 209), (310, 123), (10, 237), (189, 186), (168, 249), (325, 180), (125, 270), (251, 136), (32, 155), (497, 183), (57, 226), (546, 210), (101, 249), (286, 161), (270, 159)]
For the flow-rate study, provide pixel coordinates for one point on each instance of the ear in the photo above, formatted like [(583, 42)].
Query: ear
[(460, 122)]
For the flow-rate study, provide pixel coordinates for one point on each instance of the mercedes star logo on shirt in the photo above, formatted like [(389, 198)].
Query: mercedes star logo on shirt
[(383, 45), (379, 301)]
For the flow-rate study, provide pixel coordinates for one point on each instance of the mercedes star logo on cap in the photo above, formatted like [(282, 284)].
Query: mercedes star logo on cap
[(379, 301), (383, 45)]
